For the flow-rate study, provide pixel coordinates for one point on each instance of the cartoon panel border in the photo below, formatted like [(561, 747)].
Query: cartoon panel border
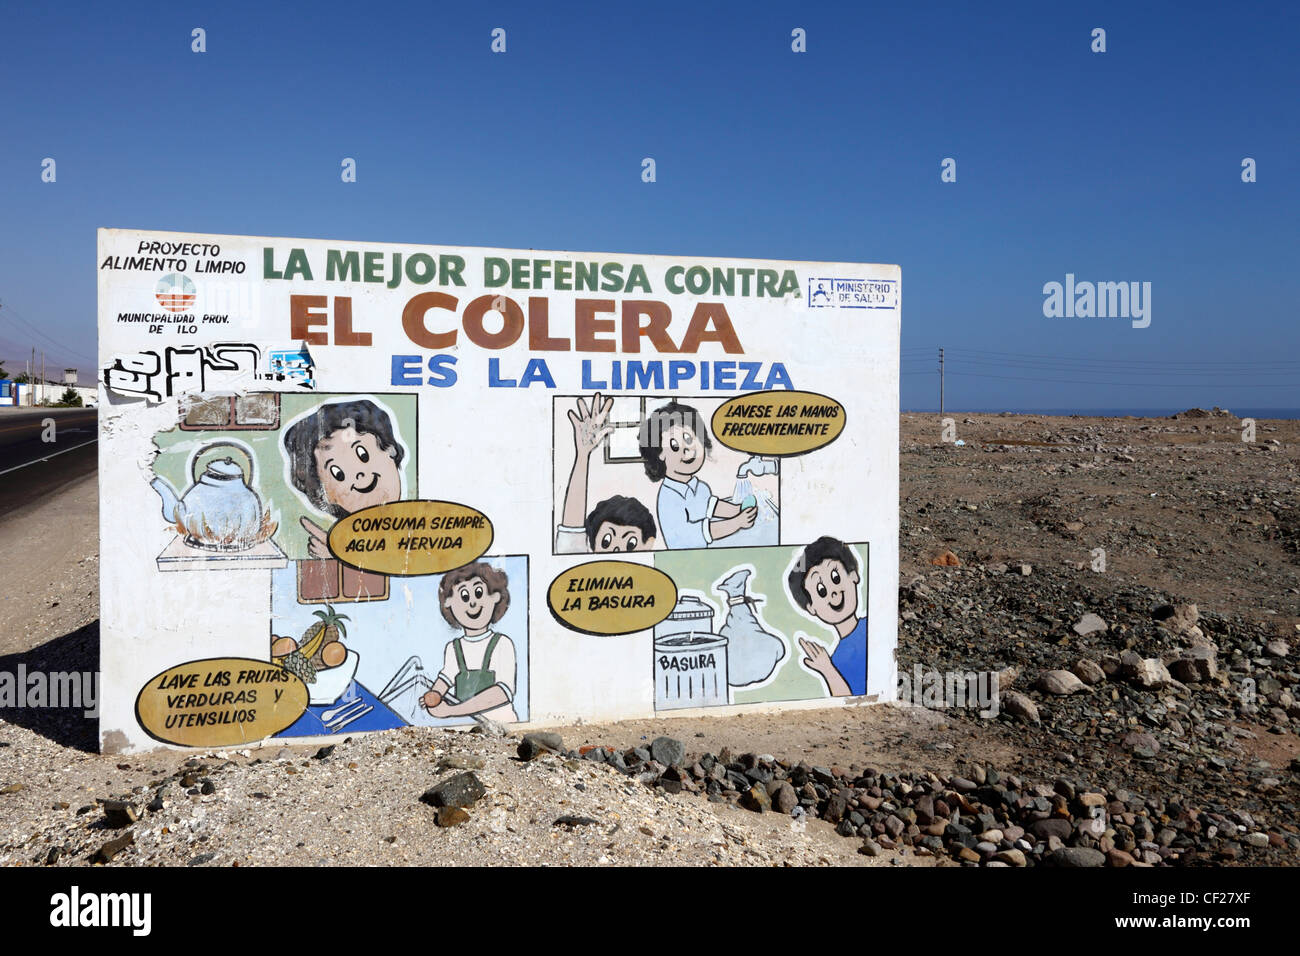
[(627, 501), (738, 636)]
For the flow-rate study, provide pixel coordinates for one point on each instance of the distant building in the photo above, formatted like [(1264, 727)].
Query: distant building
[(37, 392), (14, 393)]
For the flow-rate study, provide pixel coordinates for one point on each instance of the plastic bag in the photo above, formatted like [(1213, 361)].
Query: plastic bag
[(752, 651)]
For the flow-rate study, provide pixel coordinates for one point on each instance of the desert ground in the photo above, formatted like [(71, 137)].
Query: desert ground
[(1133, 583)]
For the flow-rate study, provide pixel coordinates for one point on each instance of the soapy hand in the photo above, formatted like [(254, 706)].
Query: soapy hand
[(722, 527), (591, 425)]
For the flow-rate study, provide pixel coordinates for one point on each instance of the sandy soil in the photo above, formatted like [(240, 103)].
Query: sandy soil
[(1183, 508)]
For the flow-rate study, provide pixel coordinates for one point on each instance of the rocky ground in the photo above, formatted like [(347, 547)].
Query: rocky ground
[(1134, 583)]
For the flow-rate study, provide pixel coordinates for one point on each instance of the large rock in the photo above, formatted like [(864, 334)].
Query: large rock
[(1196, 665), (534, 745), (1148, 673), (1058, 827), (113, 847), (1181, 620), (450, 817), (784, 799), (1076, 856), (460, 790), (1277, 648), (1089, 624), (1088, 671), (1018, 705), (756, 799), (668, 751), (1060, 683), (119, 814), (1142, 744)]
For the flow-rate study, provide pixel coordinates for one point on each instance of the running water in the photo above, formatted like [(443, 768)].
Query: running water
[(767, 509)]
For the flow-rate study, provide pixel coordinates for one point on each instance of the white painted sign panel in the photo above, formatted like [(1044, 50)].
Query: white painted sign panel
[(352, 486)]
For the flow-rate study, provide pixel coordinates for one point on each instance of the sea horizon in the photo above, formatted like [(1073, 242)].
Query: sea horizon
[(1244, 412)]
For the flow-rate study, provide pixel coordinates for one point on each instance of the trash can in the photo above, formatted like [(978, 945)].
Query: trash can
[(690, 661)]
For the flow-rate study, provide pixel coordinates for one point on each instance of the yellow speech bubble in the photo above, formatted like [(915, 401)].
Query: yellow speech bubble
[(411, 537), (220, 702), (779, 422), (611, 597)]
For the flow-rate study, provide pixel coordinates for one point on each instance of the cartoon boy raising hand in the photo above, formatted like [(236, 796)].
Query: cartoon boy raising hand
[(618, 523), (824, 582)]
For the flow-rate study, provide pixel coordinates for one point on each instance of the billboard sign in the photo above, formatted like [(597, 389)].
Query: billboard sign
[(352, 486)]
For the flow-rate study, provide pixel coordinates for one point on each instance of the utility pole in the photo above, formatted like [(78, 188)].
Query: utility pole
[(42, 376), (940, 381)]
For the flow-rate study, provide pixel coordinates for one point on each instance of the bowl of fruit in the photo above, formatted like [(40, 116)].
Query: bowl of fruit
[(319, 657)]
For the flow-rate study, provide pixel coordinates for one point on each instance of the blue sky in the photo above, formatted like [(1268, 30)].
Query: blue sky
[(1122, 166)]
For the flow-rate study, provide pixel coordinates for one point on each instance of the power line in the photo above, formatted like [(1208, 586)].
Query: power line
[(8, 311), (941, 381), (1102, 368), (1131, 384), (1245, 365)]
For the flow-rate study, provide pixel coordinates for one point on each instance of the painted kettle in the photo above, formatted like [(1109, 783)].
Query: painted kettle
[(220, 510)]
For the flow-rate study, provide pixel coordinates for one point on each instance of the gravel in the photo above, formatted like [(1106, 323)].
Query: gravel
[(1148, 714)]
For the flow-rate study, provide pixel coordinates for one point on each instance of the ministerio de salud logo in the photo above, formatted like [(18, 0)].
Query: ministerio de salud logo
[(175, 292)]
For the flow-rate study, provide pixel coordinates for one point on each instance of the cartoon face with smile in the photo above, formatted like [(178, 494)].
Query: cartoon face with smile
[(474, 597), (832, 591), (354, 472), (673, 443), (682, 452), (472, 604), (345, 456)]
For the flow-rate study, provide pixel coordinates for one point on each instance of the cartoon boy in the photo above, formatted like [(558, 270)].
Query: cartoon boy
[(478, 668), (616, 524), (824, 582), (674, 443), (343, 457)]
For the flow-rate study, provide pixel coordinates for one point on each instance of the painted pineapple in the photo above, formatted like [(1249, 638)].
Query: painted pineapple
[(306, 660)]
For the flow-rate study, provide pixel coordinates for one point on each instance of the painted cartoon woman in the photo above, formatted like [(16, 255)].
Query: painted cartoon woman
[(344, 457), (674, 443), (478, 668)]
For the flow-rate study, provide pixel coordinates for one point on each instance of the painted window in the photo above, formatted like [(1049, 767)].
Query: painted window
[(255, 411)]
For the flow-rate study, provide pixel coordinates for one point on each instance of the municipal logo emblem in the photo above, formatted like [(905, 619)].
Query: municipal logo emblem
[(175, 292)]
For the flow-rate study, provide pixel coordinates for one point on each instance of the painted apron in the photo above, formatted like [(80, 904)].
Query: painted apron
[(471, 682)]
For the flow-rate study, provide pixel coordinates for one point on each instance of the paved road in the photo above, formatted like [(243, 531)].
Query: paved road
[(30, 466)]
